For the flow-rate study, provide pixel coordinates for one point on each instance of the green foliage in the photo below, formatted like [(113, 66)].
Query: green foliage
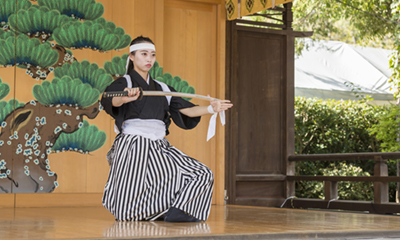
[(6, 34), (37, 21), (333, 20), (98, 35), (346, 190), (395, 67), (66, 90), (387, 130), (156, 71), (4, 89), (8, 107), (351, 190), (395, 60), (176, 82), (87, 139), (29, 52), (9, 7), (87, 73), (117, 66), (336, 127), (79, 9)]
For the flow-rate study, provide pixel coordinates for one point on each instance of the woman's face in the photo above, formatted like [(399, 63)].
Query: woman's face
[(143, 59)]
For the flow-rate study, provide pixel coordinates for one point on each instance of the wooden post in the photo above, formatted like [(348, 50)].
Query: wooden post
[(288, 15), (289, 100), (331, 190), (398, 183), (381, 189)]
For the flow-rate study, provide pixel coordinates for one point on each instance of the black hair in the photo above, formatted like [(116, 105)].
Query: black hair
[(137, 40)]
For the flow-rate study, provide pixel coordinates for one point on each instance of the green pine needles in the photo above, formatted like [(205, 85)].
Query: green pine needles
[(176, 82), (8, 107), (9, 7), (87, 139), (66, 90), (156, 71), (4, 89), (37, 21), (98, 35), (77, 9), (117, 66), (6, 34), (28, 52), (88, 73)]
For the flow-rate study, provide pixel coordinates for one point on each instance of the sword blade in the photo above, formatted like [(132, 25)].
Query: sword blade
[(160, 93)]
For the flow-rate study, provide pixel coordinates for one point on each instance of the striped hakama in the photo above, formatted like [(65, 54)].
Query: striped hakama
[(147, 177)]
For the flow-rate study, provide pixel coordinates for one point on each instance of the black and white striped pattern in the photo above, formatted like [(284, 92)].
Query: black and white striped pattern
[(128, 230), (148, 177)]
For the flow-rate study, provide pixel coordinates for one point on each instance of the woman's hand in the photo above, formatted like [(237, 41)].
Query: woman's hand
[(216, 105), (220, 105), (133, 95)]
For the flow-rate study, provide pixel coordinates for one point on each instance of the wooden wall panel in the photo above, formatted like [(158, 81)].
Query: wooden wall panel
[(259, 189), (71, 169), (7, 200), (193, 57), (190, 42), (263, 111)]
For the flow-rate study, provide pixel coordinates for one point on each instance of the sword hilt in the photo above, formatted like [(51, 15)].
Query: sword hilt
[(122, 94)]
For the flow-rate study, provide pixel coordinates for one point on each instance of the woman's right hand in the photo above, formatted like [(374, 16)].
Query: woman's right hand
[(133, 95)]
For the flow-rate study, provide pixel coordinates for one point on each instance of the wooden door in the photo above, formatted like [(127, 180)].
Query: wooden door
[(260, 83)]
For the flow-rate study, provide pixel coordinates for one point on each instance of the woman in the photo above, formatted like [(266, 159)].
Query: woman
[(148, 177)]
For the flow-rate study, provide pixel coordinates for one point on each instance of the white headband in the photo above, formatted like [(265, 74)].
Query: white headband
[(141, 46), (138, 46)]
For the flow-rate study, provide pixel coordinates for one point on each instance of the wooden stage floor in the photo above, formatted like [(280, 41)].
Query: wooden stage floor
[(225, 222)]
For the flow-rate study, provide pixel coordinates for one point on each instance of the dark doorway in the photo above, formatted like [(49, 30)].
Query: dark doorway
[(260, 133)]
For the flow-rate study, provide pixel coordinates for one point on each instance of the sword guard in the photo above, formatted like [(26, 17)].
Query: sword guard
[(141, 93)]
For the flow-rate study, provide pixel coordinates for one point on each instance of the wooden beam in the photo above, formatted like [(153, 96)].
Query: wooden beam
[(343, 178), (260, 177), (265, 24), (344, 205), (344, 156)]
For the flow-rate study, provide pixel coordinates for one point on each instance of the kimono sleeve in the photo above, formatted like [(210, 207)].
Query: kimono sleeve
[(180, 119), (115, 112)]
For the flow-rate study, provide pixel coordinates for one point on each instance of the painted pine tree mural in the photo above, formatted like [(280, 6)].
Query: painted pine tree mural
[(39, 38)]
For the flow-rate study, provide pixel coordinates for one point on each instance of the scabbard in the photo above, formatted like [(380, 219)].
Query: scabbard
[(158, 93)]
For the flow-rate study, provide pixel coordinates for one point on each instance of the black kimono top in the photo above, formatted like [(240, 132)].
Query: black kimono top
[(150, 107)]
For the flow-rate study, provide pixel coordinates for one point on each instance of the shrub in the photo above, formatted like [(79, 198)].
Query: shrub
[(331, 126)]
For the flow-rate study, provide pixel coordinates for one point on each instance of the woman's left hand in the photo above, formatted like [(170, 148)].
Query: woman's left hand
[(221, 105)]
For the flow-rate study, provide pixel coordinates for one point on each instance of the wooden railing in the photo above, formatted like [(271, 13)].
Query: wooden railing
[(380, 181)]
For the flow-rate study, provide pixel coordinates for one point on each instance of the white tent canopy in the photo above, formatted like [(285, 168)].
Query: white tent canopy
[(323, 69)]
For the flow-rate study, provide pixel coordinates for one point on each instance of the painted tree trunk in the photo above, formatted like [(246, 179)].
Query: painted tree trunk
[(26, 138)]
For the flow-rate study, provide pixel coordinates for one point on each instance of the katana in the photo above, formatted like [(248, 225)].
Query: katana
[(158, 93)]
